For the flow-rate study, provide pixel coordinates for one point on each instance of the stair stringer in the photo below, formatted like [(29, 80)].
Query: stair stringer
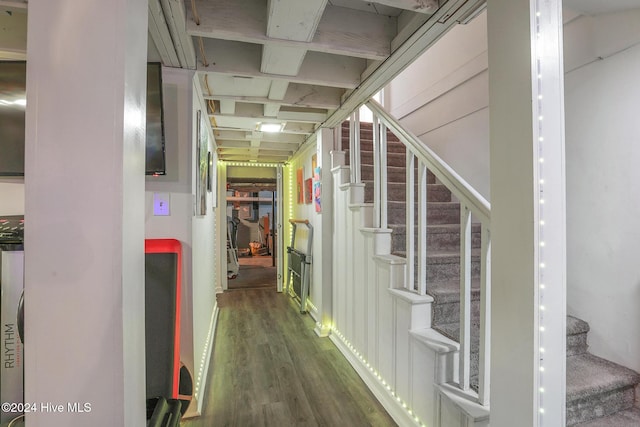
[(383, 329)]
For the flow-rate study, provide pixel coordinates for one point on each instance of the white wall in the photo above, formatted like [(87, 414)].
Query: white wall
[(11, 196), (177, 183), (306, 211), (196, 233), (204, 267), (442, 98), (603, 182)]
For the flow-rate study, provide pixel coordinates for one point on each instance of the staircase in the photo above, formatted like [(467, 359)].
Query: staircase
[(600, 393)]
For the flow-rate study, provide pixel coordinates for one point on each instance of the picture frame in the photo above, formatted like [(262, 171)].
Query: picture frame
[(202, 149)]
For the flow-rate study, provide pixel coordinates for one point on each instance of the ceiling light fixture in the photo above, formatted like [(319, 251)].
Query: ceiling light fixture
[(270, 127)]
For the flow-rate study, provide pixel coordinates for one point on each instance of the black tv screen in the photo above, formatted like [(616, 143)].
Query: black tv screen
[(12, 119), (13, 101), (155, 161)]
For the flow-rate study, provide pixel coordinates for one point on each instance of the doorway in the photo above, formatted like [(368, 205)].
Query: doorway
[(252, 222)]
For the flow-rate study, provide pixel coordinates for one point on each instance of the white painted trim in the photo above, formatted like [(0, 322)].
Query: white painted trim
[(385, 396), (434, 340), (411, 297), (207, 359), (461, 401)]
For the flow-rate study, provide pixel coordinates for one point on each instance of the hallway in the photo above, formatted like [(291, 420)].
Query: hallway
[(268, 368)]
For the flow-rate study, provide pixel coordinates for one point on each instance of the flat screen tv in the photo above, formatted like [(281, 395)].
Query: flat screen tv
[(13, 75), (12, 119)]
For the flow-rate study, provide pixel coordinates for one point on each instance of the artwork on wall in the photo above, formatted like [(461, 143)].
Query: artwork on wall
[(300, 184), (202, 151), (317, 189), (314, 163), (209, 167), (308, 190), (213, 178)]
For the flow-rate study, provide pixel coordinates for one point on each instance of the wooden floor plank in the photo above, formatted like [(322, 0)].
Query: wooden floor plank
[(268, 368)]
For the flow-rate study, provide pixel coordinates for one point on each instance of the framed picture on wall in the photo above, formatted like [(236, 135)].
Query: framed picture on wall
[(308, 190), (299, 185), (202, 150), (213, 177), (317, 189)]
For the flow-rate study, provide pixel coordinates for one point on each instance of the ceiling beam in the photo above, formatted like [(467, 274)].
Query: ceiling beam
[(283, 60), (240, 135), (291, 128), (176, 16), (243, 150), (255, 112), (159, 31), (305, 14), (298, 95), (259, 157), (341, 31), (278, 89), (223, 143), (244, 59), (422, 6)]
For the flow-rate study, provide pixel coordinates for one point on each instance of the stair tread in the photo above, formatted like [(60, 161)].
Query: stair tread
[(449, 291), (576, 326), (588, 375), (628, 418), (439, 256), (441, 228), (430, 204), (452, 331)]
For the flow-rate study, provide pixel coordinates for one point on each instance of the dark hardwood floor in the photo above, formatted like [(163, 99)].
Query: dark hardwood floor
[(269, 368)]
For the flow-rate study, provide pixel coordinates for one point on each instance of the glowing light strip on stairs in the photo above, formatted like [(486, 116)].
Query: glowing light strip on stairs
[(377, 376)]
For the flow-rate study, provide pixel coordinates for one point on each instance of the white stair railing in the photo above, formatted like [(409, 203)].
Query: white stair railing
[(422, 159)]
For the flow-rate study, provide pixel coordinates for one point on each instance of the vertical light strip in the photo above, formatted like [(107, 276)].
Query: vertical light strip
[(548, 119), (538, 144)]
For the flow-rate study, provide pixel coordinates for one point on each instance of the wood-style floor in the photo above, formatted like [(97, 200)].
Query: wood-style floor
[(269, 368), (255, 272)]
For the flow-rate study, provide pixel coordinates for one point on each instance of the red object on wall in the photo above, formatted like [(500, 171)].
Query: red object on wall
[(171, 246)]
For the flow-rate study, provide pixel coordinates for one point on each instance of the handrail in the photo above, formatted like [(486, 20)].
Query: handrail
[(422, 158), (458, 186), (299, 221)]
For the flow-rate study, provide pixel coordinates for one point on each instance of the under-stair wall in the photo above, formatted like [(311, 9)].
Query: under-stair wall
[(383, 328)]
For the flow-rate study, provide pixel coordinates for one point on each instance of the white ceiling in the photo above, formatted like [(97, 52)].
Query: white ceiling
[(294, 62)]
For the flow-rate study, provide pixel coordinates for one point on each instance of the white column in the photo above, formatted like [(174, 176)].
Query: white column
[(527, 146), (84, 185), (325, 305)]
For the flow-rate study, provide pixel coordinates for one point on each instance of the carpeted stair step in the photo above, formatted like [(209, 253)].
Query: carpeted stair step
[(597, 388), (444, 267), (577, 331), (394, 173), (440, 237), (366, 131), (396, 192), (446, 306), (366, 144), (437, 213), (628, 418), (393, 159)]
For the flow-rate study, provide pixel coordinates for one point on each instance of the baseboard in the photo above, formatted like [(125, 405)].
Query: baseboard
[(322, 330), (201, 385), (396, 408)]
